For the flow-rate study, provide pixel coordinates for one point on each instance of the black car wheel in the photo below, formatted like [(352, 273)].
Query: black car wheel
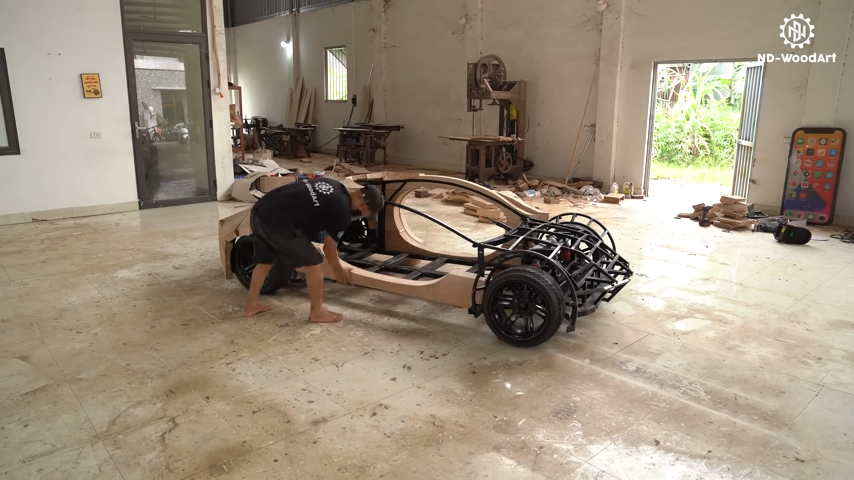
[(357, 234), (243, 264), (523, 306)]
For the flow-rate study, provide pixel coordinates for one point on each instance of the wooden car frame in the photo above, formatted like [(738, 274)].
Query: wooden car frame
[(526, 282)]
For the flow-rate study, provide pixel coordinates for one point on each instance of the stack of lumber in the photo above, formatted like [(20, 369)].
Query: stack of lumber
[(728, 214), (366, 106), (474, 206), (301, 104)]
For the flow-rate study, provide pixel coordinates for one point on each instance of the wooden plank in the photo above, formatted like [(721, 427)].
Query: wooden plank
[(737, 208), (290, 103), (303, 106), (483, 212), (452, 289), (481, 203), (365, 103), (297, 98), (731, 199), (309, 118), (615, 198), (456, 199), (730, 224), (553, 183), (699, 206)]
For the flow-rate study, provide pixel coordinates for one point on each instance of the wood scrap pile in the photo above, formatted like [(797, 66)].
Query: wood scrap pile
[(301, 104), (728, 214), (550, 190), (350, 169), (474, 206)]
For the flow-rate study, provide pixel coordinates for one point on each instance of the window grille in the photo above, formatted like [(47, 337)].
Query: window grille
[(336, 74)]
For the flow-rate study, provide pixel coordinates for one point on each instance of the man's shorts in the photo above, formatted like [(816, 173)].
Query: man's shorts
[(282, 244)]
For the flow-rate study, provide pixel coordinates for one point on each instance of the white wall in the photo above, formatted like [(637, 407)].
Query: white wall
[(72, 171), (420, 50), (557, 54), (318, 30), (60, 166), (263, 68)]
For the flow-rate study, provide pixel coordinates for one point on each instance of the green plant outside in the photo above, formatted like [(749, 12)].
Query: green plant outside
[(336, 85), (696, 123)]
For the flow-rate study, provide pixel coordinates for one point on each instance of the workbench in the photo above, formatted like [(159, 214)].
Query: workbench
[(291, 142), (360, 142), (489, 156)]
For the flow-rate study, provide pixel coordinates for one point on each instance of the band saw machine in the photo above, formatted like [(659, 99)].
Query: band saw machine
[(501, 155)]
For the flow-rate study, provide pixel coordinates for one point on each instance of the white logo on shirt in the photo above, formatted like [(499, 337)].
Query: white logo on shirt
[(324, 188), (313, 195)]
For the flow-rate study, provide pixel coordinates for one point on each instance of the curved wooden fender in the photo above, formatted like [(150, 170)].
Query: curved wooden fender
[(453, 289), (513, 207), (399, 237)]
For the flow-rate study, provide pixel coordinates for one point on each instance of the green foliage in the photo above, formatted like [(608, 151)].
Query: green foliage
[(696, 117), (693, 174)]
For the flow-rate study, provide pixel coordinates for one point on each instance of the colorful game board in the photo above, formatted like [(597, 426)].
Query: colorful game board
[(812, 178)]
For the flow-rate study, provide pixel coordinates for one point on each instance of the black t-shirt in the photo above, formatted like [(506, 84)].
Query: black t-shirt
[(312, 207)]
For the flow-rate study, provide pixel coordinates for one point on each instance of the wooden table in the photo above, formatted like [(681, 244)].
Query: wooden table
[(483, 157), (292, 142), (360, 142)]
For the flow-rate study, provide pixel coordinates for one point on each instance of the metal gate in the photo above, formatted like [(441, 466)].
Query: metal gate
[(746, 140)]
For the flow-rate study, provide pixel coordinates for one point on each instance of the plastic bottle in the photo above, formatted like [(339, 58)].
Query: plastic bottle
[(615, 188)]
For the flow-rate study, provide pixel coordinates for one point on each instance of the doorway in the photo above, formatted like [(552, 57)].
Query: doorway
[(169, 82), (702, 128)]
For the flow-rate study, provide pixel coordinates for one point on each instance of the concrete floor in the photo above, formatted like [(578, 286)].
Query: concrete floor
[(123, 355)]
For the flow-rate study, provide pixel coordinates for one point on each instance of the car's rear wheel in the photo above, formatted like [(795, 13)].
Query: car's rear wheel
[(243, 265), (523, 306)]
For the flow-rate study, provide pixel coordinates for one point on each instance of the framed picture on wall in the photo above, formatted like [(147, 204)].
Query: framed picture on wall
[(91, 85)]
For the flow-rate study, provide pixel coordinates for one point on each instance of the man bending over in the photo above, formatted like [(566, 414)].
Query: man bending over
[(285, 220)]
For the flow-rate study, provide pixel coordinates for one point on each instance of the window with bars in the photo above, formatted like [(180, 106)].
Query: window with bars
[(8, 130), (336, 74)]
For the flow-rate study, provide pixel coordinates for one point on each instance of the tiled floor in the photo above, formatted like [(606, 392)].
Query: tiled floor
[(123, 355)]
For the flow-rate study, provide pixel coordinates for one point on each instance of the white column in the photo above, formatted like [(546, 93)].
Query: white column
[(608, 101), (832, 29)]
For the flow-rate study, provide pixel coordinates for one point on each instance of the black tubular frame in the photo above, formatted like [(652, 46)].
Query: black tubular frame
[(574, 248)]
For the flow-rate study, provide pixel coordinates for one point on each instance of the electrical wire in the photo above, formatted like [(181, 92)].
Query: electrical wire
[(350, 118), (844, 235), (327, 143)]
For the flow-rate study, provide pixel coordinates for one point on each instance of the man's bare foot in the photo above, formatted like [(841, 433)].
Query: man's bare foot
[(324, 316), (256, 309)]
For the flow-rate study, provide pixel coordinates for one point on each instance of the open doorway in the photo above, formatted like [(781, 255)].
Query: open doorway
[(702, 127)]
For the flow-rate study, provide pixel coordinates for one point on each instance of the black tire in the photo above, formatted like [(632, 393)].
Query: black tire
[(243, 264), (357, 234), (527, 292)]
